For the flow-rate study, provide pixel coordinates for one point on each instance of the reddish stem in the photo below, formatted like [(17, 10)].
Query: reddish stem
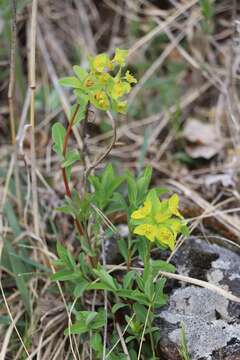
[(64, 174)]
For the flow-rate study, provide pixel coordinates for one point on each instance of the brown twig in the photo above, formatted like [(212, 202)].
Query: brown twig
[(105, 154)]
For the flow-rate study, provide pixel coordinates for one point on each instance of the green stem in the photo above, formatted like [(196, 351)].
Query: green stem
[(147, 257), (151, 340), (129, 257)]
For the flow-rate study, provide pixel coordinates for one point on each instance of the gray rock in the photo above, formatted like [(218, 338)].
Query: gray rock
[(212, 323)]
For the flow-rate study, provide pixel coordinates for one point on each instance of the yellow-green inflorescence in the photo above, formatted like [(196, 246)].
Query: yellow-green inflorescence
[(105, 84), (159, 221)]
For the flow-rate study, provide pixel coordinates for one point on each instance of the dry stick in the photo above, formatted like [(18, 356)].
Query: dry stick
[(228, 295), (149, 36), (45, 251), (222, 218), (18, 138), (32, 85), (54, 79), (105, 154), (124, 347), (123, 333), (12, 320), (11, 103), (143, 332), (154, 66), (7, 336)]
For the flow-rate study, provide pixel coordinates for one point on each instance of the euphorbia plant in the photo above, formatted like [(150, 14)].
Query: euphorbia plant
[(151, 222)]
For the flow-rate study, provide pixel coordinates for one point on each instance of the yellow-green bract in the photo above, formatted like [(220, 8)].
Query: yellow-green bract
[(105, 84), (158, 220)]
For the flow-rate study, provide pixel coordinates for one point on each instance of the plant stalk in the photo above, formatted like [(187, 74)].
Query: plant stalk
[(65, 179), (32, 85), (11, 103)]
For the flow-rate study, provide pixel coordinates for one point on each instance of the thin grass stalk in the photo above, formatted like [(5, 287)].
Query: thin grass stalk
[(11, 103), (32, 85)]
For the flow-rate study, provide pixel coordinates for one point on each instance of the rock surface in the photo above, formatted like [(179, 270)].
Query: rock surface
[(211, 322)]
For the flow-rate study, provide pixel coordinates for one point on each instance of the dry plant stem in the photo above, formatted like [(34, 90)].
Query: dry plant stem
[(11, 103), (68, 132), (143, 333), (7, 336), (12, 320), (105, 154), (124, 347), (150, 35), (228, 295), (122, 334), (32, 85), (64, 173), (105, 299), (65, 179)]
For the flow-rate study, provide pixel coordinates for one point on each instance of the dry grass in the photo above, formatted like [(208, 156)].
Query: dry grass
[(47, 38)]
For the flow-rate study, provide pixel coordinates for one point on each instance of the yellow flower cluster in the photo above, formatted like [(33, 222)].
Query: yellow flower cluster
[(158, 220), (101, 88)]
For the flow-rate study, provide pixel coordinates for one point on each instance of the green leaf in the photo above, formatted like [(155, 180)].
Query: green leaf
[(149, 288), (65, 256), (29, 261), (96, 343), (100, 320), (144, 181), (107, 177), (82, 100), (12, 219), (100, 286), (17, 268), (71, 157), (85, 268), (80, 72), (128, 279), (106, 278), (140, 282), (80, 288), (92, 316), (118, 203), (162, 265), (118, 306), (88, 320), (161, 191), (140, 311), (135, 295), (71, 81), (142, 247), (83, 315), (185, 230), (160, 298), (77, 328), (122, 244), (65, 209), (58, 134), (65, 275), (95, 182), (132, 190)]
